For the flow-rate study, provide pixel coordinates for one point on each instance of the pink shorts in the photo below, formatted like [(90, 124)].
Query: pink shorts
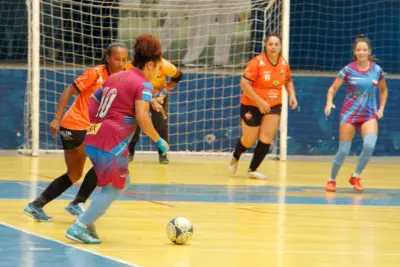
[(109, 168)]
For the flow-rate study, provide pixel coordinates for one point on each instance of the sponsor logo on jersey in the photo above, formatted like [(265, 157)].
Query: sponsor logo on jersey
[(248, 115), (66, 135), (93, 128)]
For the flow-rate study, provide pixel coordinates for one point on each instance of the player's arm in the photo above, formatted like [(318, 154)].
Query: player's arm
[(62, 104), (155, 105), (174, 80), (173, 72), (64, 99), (292, 94), (142, 117), (80, 84), (290, 89), (331, 94), (383, 96), (333, 90), (245, 84), (289, 86), (251, 74)]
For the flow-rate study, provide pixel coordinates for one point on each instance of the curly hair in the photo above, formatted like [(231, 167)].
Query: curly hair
[(145, 49)]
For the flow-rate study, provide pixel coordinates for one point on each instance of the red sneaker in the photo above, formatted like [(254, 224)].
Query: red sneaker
[(330, 186), (355, 181)]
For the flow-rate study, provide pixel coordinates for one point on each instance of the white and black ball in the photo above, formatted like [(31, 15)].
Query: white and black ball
[(180, 230)]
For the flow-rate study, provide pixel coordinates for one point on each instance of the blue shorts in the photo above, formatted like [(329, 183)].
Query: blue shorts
[(109, 168)]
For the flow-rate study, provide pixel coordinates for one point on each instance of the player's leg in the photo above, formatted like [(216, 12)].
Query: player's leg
[(268, 128), (132, 144), (347, 132), (75, 157), (161, 126), (369, 132), (251, 120), (112, 170), (89, 184)]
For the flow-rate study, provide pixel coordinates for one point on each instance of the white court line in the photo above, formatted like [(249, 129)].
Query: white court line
[(266, 246), (264, 251), (148, 215), (68, 245)]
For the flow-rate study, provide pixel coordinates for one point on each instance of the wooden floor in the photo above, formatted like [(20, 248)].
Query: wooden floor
[(286, 221)]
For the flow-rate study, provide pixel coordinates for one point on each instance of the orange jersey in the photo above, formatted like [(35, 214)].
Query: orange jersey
[(267, 79), (77, 116), (166, 69)]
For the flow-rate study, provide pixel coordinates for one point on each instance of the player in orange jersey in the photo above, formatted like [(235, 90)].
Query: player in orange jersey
[(72, 127), (160, 94), (262, 102)]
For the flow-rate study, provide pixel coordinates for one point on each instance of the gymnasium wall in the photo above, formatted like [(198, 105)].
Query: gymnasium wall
[(321, 32), (201, 111)]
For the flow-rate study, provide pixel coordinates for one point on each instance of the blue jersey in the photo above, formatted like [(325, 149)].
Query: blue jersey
[(360, 101)]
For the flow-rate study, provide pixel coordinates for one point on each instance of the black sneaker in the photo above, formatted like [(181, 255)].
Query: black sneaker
[(163, 159)]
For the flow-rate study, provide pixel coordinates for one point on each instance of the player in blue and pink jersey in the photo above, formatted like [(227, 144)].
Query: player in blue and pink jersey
[(124, 103), (362, 77)]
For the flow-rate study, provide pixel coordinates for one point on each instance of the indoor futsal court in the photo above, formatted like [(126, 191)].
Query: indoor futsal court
[(287, 220), (285, 82)]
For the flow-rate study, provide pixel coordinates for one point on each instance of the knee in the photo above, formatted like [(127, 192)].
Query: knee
[(247, 141), (74, 176), (370, 141), (344, 148), (265, 139)]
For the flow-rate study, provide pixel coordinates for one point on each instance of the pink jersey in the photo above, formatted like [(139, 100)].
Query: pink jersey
[(113, 120)]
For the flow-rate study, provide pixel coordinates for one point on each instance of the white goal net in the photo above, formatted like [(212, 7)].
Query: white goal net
[(210, 41)]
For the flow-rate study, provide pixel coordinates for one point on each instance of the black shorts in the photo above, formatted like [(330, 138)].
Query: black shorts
[(252, 115), (71, 138)]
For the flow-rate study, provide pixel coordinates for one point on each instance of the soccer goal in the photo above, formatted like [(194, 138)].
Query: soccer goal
[(210, 41)]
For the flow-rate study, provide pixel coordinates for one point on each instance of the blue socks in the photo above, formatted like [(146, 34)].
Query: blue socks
[(101, 203), (366, 153), (343, 151), (365, 156)]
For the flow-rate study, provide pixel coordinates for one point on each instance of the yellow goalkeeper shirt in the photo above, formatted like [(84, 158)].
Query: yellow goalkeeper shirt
[(166, 69)]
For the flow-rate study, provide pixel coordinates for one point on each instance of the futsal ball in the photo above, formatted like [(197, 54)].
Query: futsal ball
[(180, 230)]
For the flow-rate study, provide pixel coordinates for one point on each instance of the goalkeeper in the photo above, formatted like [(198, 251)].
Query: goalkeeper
[(161, 92)]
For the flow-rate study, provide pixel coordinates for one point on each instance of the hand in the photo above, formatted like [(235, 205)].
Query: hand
[(263, 106), (55, 126), (380, 113), (328, 108), (159, 108), (293, 102), (163, 146)]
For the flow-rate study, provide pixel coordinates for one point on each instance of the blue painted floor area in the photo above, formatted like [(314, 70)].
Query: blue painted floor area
[(18, 248), (223, 194)]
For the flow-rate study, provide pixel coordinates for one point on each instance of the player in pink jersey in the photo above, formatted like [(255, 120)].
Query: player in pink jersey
[(72, 127), (362, 77), (124, 103)]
